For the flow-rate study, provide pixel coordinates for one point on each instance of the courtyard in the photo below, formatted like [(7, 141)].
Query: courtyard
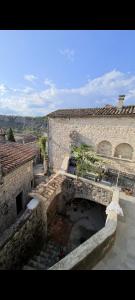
[(80, 220)]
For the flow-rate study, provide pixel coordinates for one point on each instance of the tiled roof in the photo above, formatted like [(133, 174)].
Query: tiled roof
[(13, 155), (92, 112)]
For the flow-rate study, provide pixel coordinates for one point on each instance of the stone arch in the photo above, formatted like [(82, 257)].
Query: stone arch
[(125, 150), (84, 216), (104, 148)]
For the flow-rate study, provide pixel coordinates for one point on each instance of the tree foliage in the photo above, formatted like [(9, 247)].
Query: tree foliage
[(10, 135), (42, 145), (87, 160)]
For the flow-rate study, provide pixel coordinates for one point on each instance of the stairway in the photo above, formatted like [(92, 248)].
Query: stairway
[(48, 256)]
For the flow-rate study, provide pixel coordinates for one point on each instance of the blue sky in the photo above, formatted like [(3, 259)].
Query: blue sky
[(45, 70)]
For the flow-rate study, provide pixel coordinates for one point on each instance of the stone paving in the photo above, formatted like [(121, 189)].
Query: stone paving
[(122, 255)]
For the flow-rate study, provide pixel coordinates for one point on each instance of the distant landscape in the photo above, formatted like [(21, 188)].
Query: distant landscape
[(35, 125)]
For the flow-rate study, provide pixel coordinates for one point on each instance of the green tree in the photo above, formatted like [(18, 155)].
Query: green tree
[(87, 161), (10, 135)]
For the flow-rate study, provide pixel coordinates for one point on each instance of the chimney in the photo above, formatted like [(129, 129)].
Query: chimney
[(2, 135), (120, 101)]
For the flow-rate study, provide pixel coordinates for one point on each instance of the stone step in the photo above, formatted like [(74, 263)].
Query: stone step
[(27, 267), (47, 257), (39, 259), (50, 246), (44, 254), (32, 263), (43, 260)]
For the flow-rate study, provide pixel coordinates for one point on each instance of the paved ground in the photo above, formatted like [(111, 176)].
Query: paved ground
[(39, 174), (122, 255)]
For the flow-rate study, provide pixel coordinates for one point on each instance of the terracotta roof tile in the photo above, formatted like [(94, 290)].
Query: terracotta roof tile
[(93, 112), (13, 155)]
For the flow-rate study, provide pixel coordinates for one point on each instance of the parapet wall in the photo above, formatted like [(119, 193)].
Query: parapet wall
[(70, 186), (87, 255)]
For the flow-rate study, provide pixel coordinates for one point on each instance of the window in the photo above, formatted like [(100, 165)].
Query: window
[(124, 150), (31, 183), (104, 148), (19, 203)]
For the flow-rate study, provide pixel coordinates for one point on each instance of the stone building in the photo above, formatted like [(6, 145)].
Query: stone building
[(2, 135), (25, 138), (16, 181), (31, 141), (111, 130)]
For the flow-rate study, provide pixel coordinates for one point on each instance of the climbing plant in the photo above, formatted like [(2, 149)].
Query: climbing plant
[(87, 161), (42, 145)]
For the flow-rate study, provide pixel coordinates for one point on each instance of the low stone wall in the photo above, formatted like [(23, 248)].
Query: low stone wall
[(65, 164), (21, 240), (87, 255), (123, 165), (80, 187), (68, 186)]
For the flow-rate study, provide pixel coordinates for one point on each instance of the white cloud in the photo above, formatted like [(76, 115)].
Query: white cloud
[(3, 89), (95, 92), (68, 53), (49, 83), (30, 77), (27, 90)]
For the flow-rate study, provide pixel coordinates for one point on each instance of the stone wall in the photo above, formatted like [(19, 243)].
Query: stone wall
[(91, 131), (125, 166), (65, 186), (14, 183), (86, 189), (22, 239)]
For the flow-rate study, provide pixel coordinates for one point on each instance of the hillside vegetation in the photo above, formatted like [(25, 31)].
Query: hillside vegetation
[(24, 124)]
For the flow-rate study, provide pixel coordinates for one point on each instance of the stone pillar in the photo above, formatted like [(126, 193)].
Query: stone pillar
[(45, 163), (113, 150)]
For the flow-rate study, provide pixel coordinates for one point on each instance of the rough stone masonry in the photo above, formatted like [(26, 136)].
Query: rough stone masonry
[(111, 130)]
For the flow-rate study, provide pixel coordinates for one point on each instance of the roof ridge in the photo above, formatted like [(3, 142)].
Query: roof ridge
[(94, 111)]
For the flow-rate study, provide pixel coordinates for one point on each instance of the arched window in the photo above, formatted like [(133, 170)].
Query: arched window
[(104, 148), (124, 150)]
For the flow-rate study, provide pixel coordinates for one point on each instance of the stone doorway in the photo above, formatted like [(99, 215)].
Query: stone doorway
[(19, 203)]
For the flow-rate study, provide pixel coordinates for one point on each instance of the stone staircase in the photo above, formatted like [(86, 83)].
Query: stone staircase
[(48, 256)]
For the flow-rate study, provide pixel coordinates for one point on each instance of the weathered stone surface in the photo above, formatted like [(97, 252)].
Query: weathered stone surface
[(13, 183), (22, 239), (92, 131)]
